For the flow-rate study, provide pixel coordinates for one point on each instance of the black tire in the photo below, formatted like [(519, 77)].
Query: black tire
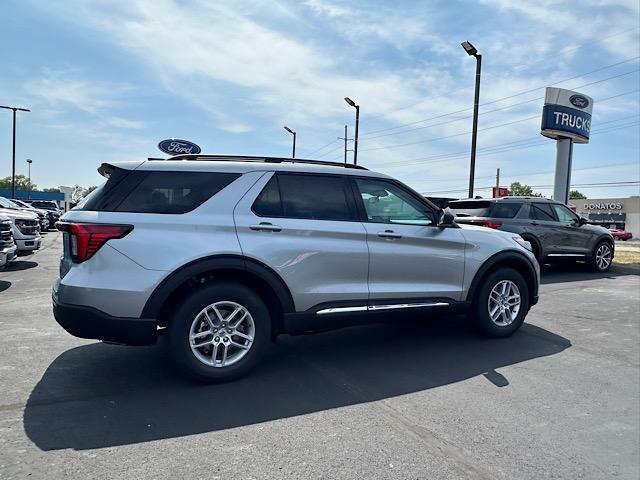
[(594, 261), (483, 318), (184, 316)]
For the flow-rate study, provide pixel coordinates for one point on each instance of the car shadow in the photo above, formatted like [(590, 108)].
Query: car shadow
[(101, 395), (572, 272), (4, 285), (18, 265)]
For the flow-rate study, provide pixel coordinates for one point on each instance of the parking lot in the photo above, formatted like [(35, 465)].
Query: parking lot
[(425, 398)]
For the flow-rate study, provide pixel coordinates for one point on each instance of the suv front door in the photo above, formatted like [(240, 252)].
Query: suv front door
[(410, 258), (306, 228), (572, 238)]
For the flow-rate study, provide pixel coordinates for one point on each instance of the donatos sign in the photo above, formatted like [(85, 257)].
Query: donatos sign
[(174, 146), (566, 114)]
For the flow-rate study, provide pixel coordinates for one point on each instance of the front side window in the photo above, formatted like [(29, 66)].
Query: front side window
[(565, 215), (313, 197), (542, 211), (385, 202)]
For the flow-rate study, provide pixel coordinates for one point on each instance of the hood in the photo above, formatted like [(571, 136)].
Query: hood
[(487, 230), (596, 228), (18, 214)]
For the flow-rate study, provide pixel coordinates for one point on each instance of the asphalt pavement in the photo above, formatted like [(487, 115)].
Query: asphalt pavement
[(421, 399)]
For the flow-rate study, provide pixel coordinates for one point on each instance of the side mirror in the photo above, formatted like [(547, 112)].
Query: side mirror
[(582, 221), (446, 219)]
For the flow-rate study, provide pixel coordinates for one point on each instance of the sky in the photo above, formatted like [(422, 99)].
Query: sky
[(106, 80)]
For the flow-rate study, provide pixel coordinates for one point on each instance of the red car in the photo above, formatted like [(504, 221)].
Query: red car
[(620, 234)]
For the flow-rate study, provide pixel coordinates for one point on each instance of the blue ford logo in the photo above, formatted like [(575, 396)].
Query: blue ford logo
[(174, 146), (579, 101)]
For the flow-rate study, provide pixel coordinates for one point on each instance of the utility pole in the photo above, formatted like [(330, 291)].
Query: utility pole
[(346, 147), (13, 168), (497, 183)]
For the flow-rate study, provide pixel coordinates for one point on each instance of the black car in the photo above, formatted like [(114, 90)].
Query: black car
[(54, 212), (552, 229)]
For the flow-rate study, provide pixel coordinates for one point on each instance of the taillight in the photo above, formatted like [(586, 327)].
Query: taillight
[(87, 238), (486, 223)]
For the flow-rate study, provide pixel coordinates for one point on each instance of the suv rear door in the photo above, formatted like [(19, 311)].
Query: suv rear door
[(410, 258), (305, 227)]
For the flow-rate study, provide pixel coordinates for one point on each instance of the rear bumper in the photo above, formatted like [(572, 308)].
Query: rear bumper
[(87, 322)]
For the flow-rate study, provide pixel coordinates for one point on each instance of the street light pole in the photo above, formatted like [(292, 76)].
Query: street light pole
[(355, 136), (13, 164), (471, 51), (293, 155), (29, 162)]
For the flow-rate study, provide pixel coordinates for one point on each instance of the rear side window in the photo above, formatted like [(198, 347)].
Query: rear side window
[(314, 197), (485, 209), (542, 211), (157, 191)]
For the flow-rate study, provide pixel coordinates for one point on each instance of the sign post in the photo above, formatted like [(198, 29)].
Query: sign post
[(566, 118)]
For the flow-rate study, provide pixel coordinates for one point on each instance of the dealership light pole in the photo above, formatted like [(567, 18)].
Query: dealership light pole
[(29, 162), (355, 136), (13, 168), (293, 155), (471, 51)]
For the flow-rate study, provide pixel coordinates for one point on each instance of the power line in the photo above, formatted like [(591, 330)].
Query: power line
[(578, 185), (501, 108), (480, 130), (505, 98), (545, 59), (321, 148)]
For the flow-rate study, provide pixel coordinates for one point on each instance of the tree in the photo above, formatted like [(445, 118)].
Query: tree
[(576, 195), (79, 193), (519, 190), (51, 189), (22, 183)]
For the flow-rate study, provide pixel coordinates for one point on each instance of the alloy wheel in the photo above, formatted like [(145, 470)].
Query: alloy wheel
[(603, 256), (222, 334), (504, 303)]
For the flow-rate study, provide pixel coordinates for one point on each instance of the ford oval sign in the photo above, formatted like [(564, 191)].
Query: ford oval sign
[(579, 101), (174, 146)]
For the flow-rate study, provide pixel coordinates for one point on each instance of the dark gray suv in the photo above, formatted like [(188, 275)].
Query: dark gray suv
[(554, 231)]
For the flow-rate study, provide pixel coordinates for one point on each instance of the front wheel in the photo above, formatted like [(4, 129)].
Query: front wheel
[(218, 333), (502, 303), (602, 257)]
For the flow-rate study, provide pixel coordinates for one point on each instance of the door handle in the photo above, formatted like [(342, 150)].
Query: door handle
[(266, 227), (534, 223), (389, 234)]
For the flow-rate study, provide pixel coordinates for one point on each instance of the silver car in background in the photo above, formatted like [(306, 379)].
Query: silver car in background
[(224, 253)]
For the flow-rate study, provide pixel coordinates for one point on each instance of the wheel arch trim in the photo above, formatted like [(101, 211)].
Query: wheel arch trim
[(177, 278), (500, 259)]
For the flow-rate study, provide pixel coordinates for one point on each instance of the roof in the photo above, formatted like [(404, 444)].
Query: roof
[(243, 164)]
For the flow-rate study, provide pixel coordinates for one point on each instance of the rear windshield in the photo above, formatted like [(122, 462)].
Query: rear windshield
[(156, 191), (485, 209)]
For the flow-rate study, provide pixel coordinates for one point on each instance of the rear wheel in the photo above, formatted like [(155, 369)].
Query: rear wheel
[(219, 332), (502, 303), (602, 257)]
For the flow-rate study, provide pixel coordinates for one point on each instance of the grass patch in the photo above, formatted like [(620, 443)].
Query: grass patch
[(627, 258)]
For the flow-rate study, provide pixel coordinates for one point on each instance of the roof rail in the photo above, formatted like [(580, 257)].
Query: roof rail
[(244, 158)]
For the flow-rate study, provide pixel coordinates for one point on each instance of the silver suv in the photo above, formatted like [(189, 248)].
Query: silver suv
[(224, 253)]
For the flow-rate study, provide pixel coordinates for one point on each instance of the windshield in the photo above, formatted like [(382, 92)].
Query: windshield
[(6, 203)]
